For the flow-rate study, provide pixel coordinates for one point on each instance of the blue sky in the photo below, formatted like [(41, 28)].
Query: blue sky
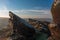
[(26, 8)]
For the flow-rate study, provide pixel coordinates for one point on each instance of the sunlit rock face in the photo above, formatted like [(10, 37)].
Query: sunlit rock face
[(56, 11), (55, 30)]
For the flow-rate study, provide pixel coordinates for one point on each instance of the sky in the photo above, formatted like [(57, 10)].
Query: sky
[(26, 8)]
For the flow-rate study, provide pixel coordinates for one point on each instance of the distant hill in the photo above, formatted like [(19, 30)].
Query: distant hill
[(3, 22), (41, 19), (44, 19)]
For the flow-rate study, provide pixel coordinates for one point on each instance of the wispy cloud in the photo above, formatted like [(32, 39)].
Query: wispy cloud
[(26, 13), (33, 13), (4, 12)]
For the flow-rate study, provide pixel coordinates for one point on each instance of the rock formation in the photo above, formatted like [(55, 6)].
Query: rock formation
[(56, 11), (55, 27), (22, 30)]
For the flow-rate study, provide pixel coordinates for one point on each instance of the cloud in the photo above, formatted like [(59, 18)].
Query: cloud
[(4, 11), (3, 8), (33, 13)]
